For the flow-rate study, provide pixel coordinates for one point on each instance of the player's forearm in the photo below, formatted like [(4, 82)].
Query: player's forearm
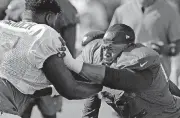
[(81, 90), (122, 79), (64, 82), (127, 80), (94, 73)]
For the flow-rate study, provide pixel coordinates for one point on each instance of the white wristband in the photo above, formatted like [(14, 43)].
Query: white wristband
[(76, 66), (71, 63)]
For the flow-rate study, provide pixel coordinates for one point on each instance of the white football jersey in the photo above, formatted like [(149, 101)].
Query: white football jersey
[(25, 46)]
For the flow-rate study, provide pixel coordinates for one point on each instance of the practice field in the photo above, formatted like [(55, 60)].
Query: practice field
[(71, 109)]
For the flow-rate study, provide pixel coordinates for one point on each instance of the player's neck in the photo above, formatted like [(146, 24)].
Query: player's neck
[(28, 16)]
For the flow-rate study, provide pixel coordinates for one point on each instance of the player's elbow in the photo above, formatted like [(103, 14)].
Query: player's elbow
[(69, 96), (72, 93)]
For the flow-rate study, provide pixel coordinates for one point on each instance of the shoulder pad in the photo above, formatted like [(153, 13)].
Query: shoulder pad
[(139, 57), (42, 30), (92, 35), (89, 50)]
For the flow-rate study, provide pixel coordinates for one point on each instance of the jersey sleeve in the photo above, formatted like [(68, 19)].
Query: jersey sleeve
[(47, 43)]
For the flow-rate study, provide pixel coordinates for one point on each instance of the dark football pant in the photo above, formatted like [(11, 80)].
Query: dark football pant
[(47, 105), (12, 100), (91, 107)]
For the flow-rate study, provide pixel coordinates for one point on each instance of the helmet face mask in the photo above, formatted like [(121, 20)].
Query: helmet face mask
[(116, 39), (111, 51)]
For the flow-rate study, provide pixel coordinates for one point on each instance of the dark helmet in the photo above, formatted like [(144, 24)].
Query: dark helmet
[(119, 33)]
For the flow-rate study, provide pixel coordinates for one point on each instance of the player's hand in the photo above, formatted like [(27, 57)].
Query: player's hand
[(107, 97), (110, 99)]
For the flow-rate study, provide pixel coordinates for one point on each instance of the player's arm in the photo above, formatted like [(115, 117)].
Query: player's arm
[(122, 79), (64, 82), (43, 54)]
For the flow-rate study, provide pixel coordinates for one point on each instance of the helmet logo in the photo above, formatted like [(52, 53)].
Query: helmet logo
[(127, 37)]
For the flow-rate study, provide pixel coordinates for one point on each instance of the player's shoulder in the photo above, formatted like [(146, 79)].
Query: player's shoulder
[(45, 35), (93, 45), (139, 57), (43, 29), (89, 51), (30, 27), (16, 26), (142, 51)]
